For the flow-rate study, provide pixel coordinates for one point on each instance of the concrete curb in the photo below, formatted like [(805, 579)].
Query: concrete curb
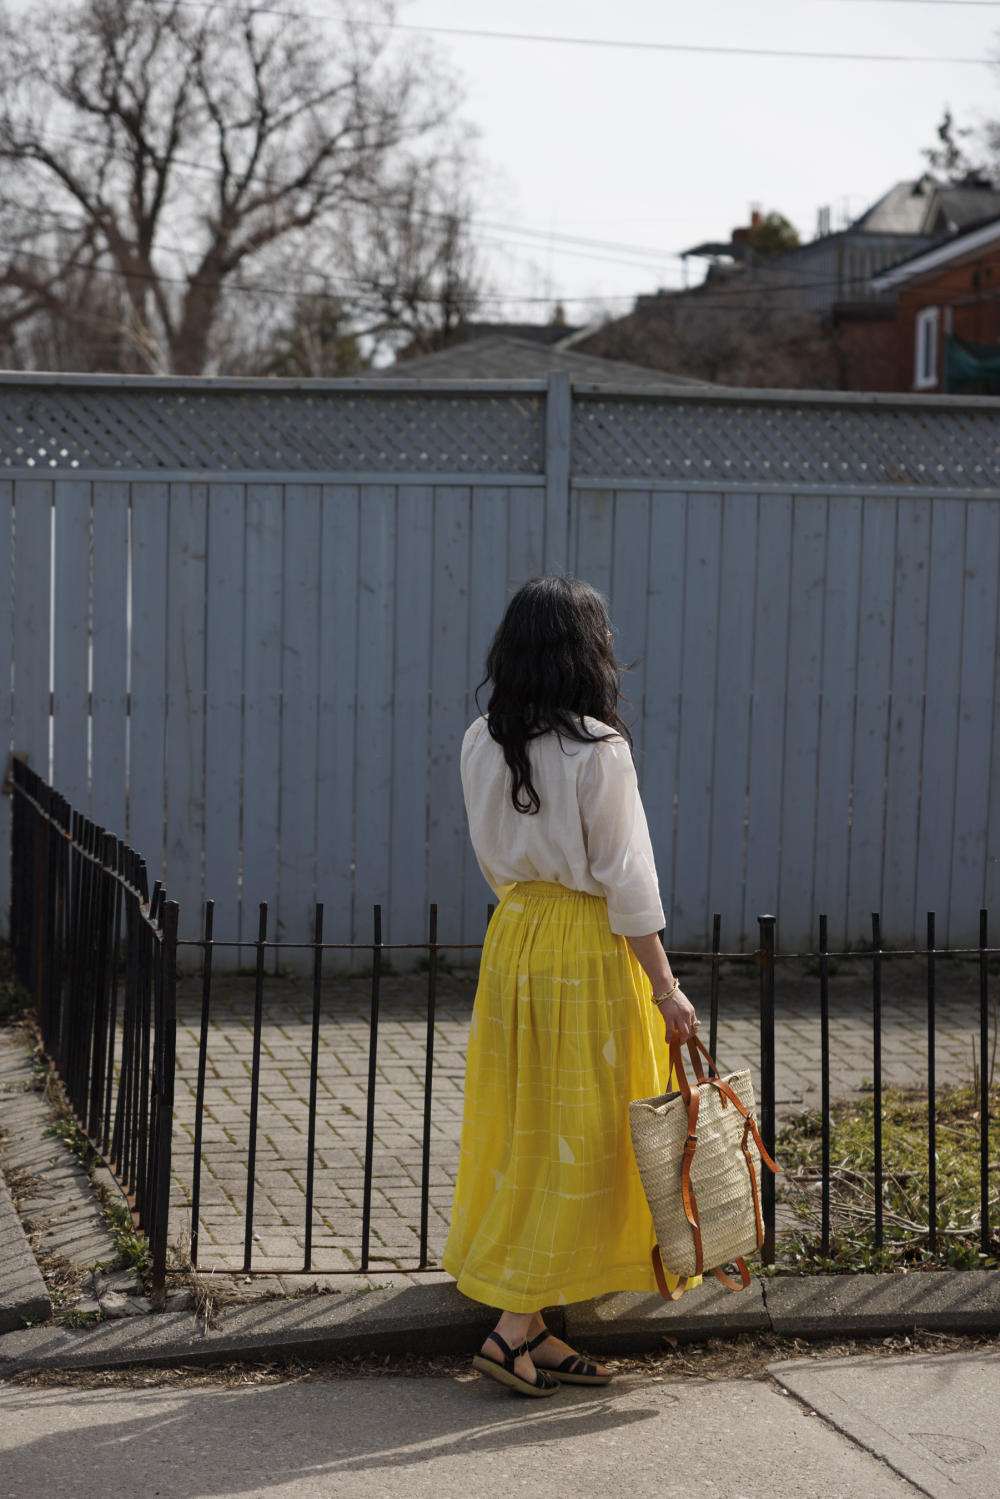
[(851, 1306), (23, 1297), (435, 1319)]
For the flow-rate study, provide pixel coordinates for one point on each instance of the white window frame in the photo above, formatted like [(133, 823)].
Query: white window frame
[(925, 350)]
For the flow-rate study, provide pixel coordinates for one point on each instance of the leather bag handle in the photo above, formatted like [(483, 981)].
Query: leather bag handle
[(691, 1094), (697, 1051)]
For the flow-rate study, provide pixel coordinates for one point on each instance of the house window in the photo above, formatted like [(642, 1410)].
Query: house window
[(925, 370)]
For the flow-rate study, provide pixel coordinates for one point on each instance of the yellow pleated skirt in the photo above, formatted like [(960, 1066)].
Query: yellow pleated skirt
[(548, 1205)]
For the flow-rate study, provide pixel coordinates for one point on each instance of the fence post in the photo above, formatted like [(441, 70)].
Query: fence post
[(558, 436), (366, 1204), (42, 936), (877, 1071), (824, 1080), (163, 1083), (984, 1085), (765, 954)]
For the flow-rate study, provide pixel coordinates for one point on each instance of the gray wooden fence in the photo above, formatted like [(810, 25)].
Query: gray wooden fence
[(245, 620)]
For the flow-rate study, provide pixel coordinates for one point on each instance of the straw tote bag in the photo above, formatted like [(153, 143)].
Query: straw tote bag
[(699, 1155)]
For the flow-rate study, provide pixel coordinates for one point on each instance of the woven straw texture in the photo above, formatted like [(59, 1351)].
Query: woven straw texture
[(720, 1180)]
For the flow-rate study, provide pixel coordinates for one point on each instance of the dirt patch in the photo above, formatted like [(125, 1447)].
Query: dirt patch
[(717, 1359)]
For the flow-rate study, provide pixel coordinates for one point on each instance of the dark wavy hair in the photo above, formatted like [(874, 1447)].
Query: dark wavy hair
[(551, 662)]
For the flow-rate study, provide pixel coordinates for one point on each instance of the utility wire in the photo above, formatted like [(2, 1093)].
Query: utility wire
[(492, 227), (620, 43), (545, 236), (943, 4), (337, 286), (720, 299)]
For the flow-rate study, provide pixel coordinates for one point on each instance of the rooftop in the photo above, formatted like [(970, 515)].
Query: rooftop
[(502, 357)]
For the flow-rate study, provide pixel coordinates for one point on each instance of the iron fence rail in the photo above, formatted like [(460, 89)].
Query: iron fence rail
[(97, 954)]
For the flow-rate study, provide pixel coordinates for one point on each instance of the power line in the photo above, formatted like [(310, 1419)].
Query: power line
[(943, 4), (619, 43), (721, 299), (333, 287), (581, 246)]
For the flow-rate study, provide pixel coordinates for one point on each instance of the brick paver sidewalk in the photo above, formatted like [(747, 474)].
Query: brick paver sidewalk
[(279, 1235)]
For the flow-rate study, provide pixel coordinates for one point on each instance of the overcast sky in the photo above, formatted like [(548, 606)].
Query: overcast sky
[(657, 150)]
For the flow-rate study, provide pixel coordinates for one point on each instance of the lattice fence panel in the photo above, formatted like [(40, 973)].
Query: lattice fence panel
[(727, 442), (88, 428)]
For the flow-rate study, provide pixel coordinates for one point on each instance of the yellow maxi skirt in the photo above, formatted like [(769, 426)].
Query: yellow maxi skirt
[(548, 1204)]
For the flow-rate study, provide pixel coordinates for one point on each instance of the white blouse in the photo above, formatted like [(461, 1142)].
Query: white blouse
[(589, 834)]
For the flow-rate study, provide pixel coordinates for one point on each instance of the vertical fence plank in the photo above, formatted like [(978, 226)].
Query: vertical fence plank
[(629, 596), (558, 429), (663, 684), (186, 542), (487, 598), (110, 655), (32, 543), (299, 714), (525, 535), (933, 833), (839, 688), (449, 674), (975, 847), (411, 722), (262, 710), (6, 657), (224, 622), (593, 537), (71, 645), (733, 674), (871, 719), (770, 684), (802, 720), (335, 787), (373, 724), (148, 674), (697, 726), (906, 723)]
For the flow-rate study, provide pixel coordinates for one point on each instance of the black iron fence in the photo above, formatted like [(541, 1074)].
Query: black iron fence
[(978, 1110), (379, 953), (98, 954), (100, 959)]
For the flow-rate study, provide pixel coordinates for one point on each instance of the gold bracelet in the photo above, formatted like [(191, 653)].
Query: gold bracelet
[(659, 998)]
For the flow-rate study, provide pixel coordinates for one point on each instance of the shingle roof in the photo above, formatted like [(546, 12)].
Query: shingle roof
[(929, 207), (942, 252), (504, 358)]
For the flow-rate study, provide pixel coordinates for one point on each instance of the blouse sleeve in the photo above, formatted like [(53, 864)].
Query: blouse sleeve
[(473, 812), (619, 852)]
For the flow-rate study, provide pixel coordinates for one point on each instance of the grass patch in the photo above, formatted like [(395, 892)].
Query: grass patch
[(132, 1246), (66, 1129), (905, 1188)]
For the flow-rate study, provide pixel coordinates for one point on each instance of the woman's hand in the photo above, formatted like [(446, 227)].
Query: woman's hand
[(677, 1011), (678, 1014)]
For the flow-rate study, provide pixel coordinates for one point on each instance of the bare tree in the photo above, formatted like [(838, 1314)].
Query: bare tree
[(950, 156), (410, 252), (182, 161)]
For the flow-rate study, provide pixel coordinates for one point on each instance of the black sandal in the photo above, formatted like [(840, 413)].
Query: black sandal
[(572, 1370), (504, 1374)]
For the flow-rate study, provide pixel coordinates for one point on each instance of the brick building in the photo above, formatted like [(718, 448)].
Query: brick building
[(947, 326)]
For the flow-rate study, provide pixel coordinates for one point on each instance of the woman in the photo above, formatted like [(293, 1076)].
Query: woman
[(548, 1204)]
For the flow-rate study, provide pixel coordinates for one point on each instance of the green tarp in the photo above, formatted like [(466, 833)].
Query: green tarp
[(968, 364)]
